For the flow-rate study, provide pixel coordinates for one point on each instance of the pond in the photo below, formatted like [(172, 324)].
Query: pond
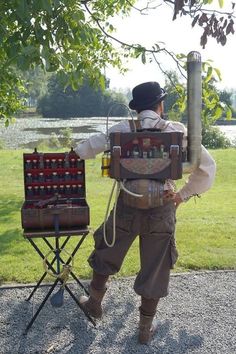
[(27, 132)]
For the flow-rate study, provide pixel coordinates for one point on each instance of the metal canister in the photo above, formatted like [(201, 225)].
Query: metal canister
[(106, 159)]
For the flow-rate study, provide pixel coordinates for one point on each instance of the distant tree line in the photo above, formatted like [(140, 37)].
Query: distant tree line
[(53, 100), (87, 101)]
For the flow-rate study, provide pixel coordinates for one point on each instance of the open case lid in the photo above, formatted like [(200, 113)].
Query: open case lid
[(53, 174)]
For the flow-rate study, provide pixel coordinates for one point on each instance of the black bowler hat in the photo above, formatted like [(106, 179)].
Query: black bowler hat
[(147, 95)]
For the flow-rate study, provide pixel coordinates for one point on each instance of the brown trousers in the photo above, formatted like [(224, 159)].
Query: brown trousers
[(158, 254)]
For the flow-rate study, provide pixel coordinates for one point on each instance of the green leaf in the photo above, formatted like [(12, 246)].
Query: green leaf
[(46, 5), (143, 57), (229, 114), (209, 74), (21, 9), (218, 73), (218, 113), (221, 3)]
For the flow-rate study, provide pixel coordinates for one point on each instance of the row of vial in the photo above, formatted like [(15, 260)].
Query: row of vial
[(49, 190), (52, 163), (53, 177), (152, 152)]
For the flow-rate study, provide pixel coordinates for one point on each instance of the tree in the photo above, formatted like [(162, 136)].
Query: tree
[(87, 101), (76, 38), (35, 83)]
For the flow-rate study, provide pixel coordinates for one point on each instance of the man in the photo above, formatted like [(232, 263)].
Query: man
[(155, 226)]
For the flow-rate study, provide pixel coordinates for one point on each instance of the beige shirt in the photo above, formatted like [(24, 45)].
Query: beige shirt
[(199, 181)]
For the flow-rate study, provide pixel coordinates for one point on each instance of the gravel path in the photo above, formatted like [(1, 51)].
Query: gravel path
[(199, 316)]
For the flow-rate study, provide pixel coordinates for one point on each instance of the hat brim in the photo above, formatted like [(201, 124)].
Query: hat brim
[(137, 104)]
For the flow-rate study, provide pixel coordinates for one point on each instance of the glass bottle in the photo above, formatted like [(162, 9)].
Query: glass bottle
[(106, 159), (136, 153)]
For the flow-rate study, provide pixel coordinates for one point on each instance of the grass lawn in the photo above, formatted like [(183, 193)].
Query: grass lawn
[(206, 229)]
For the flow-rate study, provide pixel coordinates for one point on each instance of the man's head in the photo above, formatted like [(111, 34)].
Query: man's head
[(148, 95)]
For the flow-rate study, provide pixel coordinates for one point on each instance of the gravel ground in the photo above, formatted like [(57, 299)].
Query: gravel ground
[(199, 316)]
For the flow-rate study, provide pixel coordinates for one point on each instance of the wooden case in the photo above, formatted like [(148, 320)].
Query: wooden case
[(146, 154), (54, 190)]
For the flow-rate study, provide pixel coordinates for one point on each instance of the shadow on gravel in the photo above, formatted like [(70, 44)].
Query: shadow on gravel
[(164, 342), (55, 329)]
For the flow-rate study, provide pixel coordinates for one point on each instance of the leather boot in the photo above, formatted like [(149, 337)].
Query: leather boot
[(147, 325), (92, 304), (146, 328)]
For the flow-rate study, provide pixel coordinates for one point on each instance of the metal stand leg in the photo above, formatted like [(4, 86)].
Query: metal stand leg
[(41, 305), (58, 259), (44, 274), (77, 302)]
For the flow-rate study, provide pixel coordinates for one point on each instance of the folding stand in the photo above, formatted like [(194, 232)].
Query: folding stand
[(47, 237)]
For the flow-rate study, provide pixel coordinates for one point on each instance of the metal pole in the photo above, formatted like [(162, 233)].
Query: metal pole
[(194, 107)]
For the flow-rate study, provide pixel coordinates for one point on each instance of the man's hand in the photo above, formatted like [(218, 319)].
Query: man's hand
[(175, 197), (177, 200)]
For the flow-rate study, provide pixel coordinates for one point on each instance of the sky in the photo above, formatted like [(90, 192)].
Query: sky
[(178, 37)]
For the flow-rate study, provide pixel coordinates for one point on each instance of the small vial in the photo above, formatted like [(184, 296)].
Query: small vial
[(29, 191), (79, 175), (72, 163), (54, 164), (42, 190), (161, 150), (78, 162), (67, 189), (165, 155), (29, 177), (136, 149), (28, 164), (49, 190), (35, 164), (41, 177), (54, 189), (145, 154), (80, 189), (36, 190), (47, 163), (74, 189), (155, 152), (61, 189), (54, 177), (150, 153), (67, 176), (59, 163)]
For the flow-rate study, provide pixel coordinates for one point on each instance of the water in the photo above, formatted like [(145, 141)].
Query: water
[(27, 132)]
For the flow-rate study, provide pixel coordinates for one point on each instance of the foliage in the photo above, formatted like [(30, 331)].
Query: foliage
[(75, 38), (11, 89), (213, 24), (67, 136), (213, 138), (84, 102), (215, 104), (35, 83)]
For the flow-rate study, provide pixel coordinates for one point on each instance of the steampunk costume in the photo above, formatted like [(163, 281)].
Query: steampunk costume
[(155, 226)]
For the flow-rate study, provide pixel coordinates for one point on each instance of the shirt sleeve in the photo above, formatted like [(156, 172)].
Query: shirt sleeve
[(98, 143), (201, 179)]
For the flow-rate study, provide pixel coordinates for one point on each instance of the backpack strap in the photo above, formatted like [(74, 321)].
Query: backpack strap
[(137, 124)]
